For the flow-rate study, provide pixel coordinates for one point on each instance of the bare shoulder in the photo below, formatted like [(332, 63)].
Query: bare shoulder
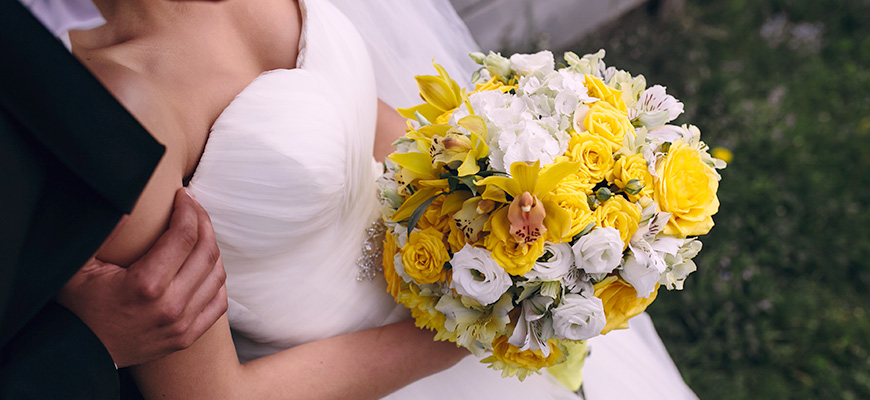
[(151, 214)]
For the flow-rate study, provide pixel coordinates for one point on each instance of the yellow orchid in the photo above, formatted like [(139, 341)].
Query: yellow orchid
[(441, 94), (532, 213)]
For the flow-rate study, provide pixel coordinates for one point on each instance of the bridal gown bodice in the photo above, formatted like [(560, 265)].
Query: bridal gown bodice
[(288, 179)]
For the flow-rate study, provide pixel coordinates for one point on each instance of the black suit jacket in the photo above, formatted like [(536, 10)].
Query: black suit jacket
[(72, 162)]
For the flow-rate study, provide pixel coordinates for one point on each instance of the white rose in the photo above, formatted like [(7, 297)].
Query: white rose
[(579, 317), (541, 62), (599, 251), (477, 275), (559, 259)]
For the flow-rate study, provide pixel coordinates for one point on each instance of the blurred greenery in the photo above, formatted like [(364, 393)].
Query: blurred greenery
[(778, 307)]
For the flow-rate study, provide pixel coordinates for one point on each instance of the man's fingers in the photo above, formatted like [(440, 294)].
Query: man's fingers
[(209, 315), (156, 269), (201, 261), (203, 294)]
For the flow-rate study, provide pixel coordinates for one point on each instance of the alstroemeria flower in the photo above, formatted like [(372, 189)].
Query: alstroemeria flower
[(476, 327), (532, 213), (533, 331), (472, 217), (655, 108)]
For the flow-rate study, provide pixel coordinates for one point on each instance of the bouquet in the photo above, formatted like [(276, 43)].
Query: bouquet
[(542, 208)]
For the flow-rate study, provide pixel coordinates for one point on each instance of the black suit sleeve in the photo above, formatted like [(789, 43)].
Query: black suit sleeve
[(73, 162)]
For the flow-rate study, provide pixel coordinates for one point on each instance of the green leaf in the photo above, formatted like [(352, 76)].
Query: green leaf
[(418, 213), (585, 230), (487, 173), (452, 182), (469, 181)]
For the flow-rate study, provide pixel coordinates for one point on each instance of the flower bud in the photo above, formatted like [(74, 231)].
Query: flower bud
[(572, 58), (634, 187), (478, 57), (603, 194), (421, 119), (497, 65)]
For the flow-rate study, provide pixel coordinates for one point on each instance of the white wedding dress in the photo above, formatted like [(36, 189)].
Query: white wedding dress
[(287, 177)]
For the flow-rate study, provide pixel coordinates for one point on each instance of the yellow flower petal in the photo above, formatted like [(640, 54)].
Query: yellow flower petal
[(427, 110), (469, 165), (504, 183), (494, 193), (411, 203), (553, 175), (557, 222), (525, 176)]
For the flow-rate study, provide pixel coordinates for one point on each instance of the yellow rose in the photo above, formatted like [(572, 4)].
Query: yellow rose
[(424, 256), (618, 213), (394, 281), (432, 217), (570, 195), (620, 302), (686, 187), (578, 182), (527, 359), (594, 154), (597, 88), (607, 122), (632, 167), (515, 258)]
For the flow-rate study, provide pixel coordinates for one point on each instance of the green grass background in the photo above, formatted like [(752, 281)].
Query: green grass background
[(778, 308)]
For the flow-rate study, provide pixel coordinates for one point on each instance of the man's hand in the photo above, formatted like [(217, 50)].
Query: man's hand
[(164, 301)]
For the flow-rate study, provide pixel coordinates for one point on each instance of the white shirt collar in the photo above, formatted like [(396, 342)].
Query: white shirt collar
[(61, 16)]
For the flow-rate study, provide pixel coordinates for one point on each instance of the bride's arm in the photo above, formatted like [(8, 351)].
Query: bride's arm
[(366, 364), (391, 126), (362, 365)]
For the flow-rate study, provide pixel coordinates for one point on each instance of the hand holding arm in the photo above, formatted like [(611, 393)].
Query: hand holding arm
[(164, 301)]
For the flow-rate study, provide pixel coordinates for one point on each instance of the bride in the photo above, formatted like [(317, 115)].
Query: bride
[(270, 114)]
